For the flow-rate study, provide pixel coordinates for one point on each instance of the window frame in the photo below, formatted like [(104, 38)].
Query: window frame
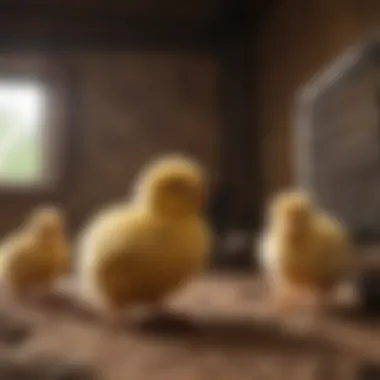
[(54, 75)]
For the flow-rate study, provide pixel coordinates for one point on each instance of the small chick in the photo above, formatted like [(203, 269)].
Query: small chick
[(303, 250), (33, 257), (142, 251)]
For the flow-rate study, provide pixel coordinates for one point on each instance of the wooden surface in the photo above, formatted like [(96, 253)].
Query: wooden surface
[(219, 327)]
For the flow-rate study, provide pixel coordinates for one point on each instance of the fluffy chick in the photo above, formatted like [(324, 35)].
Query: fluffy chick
[(33, 257), (141, 251), (303, 250)]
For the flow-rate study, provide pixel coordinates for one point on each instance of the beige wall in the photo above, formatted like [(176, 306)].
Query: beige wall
[(295, 41)]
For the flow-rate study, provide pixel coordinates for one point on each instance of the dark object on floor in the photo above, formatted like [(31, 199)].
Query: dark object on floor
[(368, 284), (235, 250), (13, 330), (368, 371)]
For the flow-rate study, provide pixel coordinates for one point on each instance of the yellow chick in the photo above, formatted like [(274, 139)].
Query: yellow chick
[(141, 251), (33, 257), (303, 250)]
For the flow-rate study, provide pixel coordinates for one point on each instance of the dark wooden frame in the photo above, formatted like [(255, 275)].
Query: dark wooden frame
[(237, 50), (235, 55)]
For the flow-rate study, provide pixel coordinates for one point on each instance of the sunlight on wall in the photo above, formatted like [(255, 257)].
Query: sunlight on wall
[(22, 123)]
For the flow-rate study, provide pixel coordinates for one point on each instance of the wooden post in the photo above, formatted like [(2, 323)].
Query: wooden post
[(235, 53)]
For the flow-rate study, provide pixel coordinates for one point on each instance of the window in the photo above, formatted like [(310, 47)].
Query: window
[(23, 108), (36, 98)]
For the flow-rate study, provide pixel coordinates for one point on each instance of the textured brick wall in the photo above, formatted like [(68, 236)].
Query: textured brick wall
[(134, 107), (297, 39)]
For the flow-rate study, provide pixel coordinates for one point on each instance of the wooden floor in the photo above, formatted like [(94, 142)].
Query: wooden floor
[(221, 330)]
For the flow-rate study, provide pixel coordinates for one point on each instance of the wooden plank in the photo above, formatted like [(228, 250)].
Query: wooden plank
[(236, 63)]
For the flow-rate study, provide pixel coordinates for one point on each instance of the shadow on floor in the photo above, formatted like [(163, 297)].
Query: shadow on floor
[(234, 332)]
